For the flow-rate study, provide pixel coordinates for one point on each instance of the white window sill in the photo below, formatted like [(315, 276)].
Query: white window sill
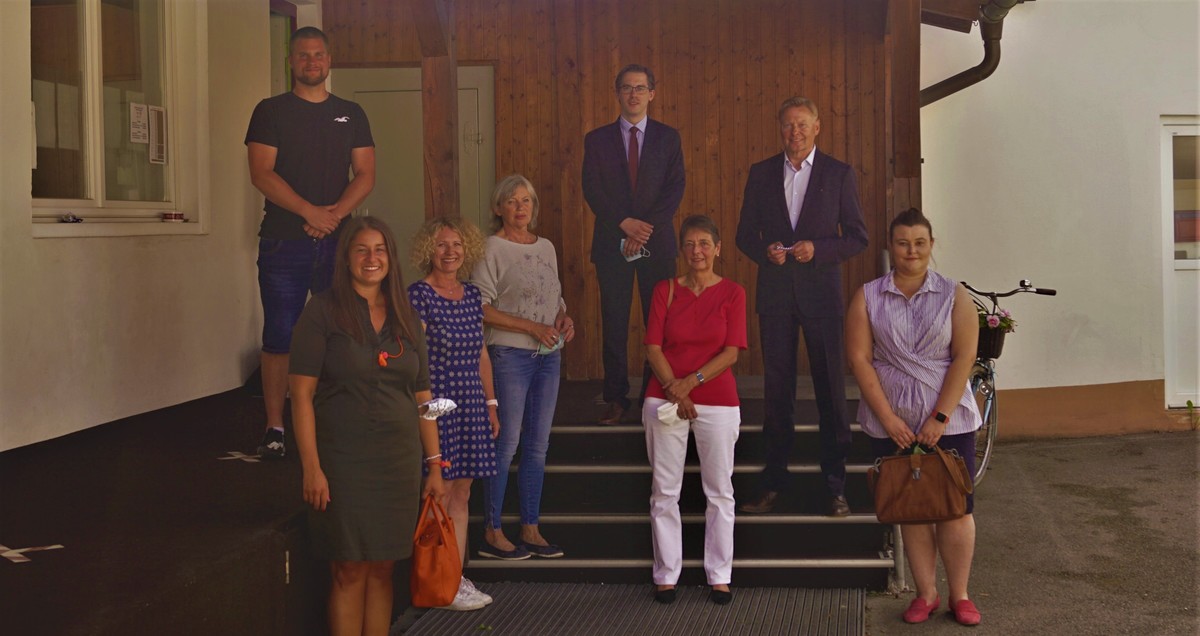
[(100, 228)]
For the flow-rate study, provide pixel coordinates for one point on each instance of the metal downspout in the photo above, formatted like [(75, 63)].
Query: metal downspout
[(991, 27)]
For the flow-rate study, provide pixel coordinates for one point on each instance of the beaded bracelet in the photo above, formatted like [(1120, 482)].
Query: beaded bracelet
[(433, 460)]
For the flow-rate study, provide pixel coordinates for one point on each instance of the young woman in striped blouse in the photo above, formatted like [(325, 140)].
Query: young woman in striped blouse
[(911, 336)]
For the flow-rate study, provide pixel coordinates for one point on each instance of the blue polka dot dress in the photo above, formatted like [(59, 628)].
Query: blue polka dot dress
[(454, 335)]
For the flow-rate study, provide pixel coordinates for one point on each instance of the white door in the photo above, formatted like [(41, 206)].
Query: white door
[(1181, 265), (391, 98)]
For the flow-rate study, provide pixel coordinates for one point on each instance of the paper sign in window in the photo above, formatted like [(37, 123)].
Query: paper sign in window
[(139, 124), (158, 135)]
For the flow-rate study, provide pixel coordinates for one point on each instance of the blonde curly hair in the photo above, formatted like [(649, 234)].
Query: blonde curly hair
[(424, 244)]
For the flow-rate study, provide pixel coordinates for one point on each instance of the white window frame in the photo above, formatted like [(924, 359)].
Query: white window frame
[(1175, 395), (185, 93)]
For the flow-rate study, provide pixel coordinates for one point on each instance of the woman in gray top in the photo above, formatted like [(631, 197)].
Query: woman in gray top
[(526, 325)]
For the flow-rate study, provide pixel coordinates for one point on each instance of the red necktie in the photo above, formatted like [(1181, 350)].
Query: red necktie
[(633, 159)]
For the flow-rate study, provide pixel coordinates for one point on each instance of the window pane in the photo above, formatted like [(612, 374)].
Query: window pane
[(56, 28), (132, 43), (1187, 196), (281, 73)]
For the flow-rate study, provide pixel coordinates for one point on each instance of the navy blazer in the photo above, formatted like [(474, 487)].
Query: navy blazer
[(830, 217), (609, 194)]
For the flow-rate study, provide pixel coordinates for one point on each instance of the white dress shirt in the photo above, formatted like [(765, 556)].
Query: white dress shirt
[(795, 183)]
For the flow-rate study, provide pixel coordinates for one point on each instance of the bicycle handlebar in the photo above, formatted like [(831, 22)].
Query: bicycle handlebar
[(1023, 287)]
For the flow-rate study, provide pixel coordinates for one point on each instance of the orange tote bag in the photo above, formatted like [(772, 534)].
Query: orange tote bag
[(436, 568)]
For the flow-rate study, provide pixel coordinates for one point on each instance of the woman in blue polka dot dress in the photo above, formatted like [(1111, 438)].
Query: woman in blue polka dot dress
[(446, 249)]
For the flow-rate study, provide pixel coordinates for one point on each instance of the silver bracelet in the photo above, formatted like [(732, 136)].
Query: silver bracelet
[(493, 402)]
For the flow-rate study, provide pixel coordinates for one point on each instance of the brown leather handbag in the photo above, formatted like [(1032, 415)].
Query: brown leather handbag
[(920, 488), (436, 568)]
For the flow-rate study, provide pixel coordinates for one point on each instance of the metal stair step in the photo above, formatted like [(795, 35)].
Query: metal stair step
[(595, 503), (572, 489), (627, 444), (869, 572), (754, 536), (748, 519)]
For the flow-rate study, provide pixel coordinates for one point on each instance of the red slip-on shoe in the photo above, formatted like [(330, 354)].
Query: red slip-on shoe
[(965, 612), (918, 611)]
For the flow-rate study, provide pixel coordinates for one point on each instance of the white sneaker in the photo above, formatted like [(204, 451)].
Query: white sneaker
[(464, 601), (466, 583)]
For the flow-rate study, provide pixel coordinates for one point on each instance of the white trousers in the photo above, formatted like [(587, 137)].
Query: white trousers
[(716, 430)]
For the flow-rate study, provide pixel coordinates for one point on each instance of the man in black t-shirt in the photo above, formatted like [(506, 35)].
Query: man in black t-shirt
[(303, 146)]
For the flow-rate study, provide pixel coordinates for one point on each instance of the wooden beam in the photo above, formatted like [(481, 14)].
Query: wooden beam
[(432, 18), (958, 9), (880, 16), (568, 137), (945, 22), (904, 52), (439, 118)]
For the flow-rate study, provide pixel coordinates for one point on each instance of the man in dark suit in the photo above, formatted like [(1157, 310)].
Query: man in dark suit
[(800, 219), (633, 182)]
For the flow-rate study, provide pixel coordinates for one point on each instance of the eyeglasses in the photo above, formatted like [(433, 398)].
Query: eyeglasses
[(626, 89)]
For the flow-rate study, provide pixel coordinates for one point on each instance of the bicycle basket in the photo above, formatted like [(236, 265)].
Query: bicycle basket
[(991, 342)]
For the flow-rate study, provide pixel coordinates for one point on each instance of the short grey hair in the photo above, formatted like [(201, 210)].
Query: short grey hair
[(798, 102), (504, 189)]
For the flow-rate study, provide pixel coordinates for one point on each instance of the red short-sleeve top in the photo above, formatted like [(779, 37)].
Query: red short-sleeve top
[(693, 331)]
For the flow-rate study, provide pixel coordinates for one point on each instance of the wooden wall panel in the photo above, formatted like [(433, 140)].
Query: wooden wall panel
[(722, 66)]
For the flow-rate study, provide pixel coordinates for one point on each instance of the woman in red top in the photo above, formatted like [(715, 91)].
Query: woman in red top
[(697, 325)]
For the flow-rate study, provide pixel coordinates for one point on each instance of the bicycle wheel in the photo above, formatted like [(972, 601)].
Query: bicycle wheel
[(983, 385)]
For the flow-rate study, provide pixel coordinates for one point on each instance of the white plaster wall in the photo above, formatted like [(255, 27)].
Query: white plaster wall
[(95, 329), (1049, 170)]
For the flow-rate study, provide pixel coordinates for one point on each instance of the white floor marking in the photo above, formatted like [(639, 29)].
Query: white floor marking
[(253, 459), (18, 555)]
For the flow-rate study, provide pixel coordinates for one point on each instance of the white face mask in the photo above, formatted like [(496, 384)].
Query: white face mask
[(668, 414), (641, 254), (543, 350)]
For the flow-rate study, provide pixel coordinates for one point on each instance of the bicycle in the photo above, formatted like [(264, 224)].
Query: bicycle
[(983, 374)]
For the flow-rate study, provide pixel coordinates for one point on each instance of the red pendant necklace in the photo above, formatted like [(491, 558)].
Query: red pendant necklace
[(385, 356)]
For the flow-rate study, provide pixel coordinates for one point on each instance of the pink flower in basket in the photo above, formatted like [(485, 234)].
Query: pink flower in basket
[(1001, 320)]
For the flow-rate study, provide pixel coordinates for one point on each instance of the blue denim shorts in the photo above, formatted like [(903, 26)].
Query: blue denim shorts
[(287, 271), (964, 443)]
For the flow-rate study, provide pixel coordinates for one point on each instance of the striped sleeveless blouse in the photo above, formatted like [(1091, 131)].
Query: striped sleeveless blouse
[(912, 353)]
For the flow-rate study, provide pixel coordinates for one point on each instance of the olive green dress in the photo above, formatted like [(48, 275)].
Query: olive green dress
[(367, 433)]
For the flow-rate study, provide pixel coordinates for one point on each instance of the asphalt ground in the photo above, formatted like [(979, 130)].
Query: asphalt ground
[(1079, 536)]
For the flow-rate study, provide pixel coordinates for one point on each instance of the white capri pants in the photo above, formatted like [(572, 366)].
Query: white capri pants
[(716, 430)]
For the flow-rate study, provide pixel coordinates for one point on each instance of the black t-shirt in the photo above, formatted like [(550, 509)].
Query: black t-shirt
[(314, 142)]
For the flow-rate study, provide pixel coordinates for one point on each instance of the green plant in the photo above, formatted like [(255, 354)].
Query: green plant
[(1001, 319)]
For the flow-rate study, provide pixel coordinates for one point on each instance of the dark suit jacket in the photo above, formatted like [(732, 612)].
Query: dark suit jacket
[(830, 217), (607, 190)]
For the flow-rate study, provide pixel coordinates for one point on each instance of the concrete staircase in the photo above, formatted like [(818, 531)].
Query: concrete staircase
[(595, 504)]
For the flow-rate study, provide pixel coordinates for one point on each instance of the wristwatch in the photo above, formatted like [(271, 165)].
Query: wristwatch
[(941, 417), (699, 377)]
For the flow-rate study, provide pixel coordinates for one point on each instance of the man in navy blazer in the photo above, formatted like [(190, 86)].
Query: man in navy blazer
[(800, 220), (633, 182)]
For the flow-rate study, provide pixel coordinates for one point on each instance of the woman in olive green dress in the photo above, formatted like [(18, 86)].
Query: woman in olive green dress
[(357, 374)]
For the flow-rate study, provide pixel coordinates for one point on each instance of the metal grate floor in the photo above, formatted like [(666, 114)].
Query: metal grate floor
[(556, 609)]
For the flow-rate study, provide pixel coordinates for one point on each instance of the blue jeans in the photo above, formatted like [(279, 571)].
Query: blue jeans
[(287, 271), (527, 388)]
